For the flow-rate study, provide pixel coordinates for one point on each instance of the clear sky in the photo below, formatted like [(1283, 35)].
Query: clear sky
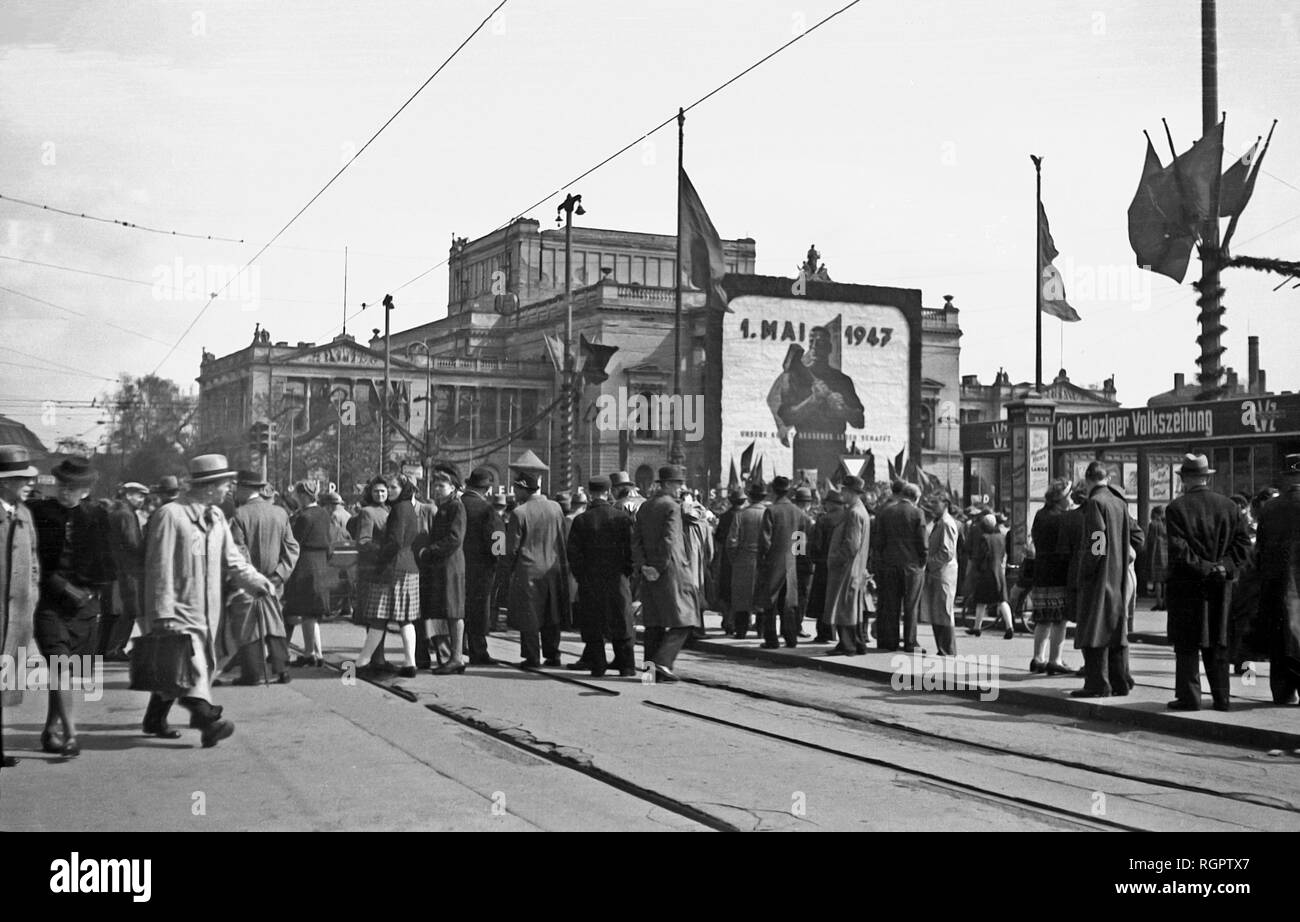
[(895, 138)]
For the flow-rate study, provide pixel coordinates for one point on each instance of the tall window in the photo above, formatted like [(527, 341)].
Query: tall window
[(927, 426)]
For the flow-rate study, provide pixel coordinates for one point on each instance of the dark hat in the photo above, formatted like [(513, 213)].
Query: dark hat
[(598, 484), (452, 472), (756, 489), (528, 480), (673, 472), (480, 478), (736, 495), (1291, 464), (803, 494), (564, 497), (251, 479), (780, 484), (833, 497), (15, 461), (620, 479), (333, 498), (307, 488), (168, 485), (211, 469), (442, 476), (1195, 466), (856, 484), (76, 471)]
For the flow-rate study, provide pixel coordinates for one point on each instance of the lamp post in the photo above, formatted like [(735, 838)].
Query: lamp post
[(571, 205), (428, 404)]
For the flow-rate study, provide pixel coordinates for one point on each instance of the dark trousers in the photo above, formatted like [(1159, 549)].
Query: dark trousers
[(1187, 673), (1283, 678), (789, 616), (1105, 670), (605, 613), (945, 641), (741, 620), (478, 613), (662, 644), (253, 667), (533, 645), (900, 593)]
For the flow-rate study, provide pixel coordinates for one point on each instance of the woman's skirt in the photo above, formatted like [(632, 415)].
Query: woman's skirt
[(307, 594), (1049, 604), (395, 601)]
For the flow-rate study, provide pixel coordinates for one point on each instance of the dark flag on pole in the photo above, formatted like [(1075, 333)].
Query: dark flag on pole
[(595, 358), (1198, 175), (1238, 184), (703, 264), (746, 458), (1159, 230), (1053, 300)]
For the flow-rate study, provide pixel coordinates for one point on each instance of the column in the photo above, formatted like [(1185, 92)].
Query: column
[(1029, 424)]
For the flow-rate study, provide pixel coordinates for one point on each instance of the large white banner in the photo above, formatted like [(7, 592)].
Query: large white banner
[(806, 382)]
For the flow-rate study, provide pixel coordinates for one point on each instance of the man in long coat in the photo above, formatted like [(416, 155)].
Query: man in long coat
[(846, 558), (778, 572), (253, 630), (819, 548), (722, 557), (442, 565), (20, 572), (1108, 535), (899, 552), (126, 539), (600, 559), (1208, 544), (743, 542), (669, 603), (539, 572), (1277, 545), (940, 592), (190, 549), (484, 544)]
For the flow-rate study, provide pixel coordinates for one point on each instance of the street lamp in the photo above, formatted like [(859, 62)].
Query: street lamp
[(571, 205), (426, 458)]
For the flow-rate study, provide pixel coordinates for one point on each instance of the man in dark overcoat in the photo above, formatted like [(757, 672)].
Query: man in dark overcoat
[(777, 569), (126, 538), (442, 565), (20, 571), (1107, 535), (803, 562), (669, 607), (819, 548), (1208, 544), (898, 558), (539, 572), (600, 559), (484, 544), (722, 556), (1277, 546)]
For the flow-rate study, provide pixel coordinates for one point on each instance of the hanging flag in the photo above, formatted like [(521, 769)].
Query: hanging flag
[(758, 471), (1053, 298), (1198, 172), (703, 265), (1158, 230), (734, 480), (1237, 184), (899, 467), (555, 349), (746, 458), (595, 357)]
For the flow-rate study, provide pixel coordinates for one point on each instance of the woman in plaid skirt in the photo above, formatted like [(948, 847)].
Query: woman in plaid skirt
[(394, 595)]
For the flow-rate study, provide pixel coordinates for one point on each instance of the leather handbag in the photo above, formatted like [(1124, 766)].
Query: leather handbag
[(162, 663)]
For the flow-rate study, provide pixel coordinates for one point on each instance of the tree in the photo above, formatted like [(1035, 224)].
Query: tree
[(151, 429)]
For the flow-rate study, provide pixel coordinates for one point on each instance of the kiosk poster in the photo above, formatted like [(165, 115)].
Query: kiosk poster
[(806, 382)]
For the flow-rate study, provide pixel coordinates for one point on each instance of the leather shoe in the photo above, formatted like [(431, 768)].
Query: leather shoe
[(71, 748), (216, 731), (597, 673), (529, 664), (407, 672), (860, 650), (1088, 693), (8, 762), (1222, 706), (450, 669), (627, 672), (1179, 704), (579, 666), (51, 742), (1053, 669), (553, 662), (838, 651), (161, 730), (1036, 667), (664, 674), (770, 645), (482, 661)]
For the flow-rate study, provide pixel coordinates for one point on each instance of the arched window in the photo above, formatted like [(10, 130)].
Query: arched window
[(927, 426)]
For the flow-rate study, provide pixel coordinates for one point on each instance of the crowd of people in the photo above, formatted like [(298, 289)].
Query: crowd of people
[(237, 568)]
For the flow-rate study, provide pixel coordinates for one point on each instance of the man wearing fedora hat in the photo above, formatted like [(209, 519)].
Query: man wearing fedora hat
[(848, 578), (1208, 544), (743, 544), (899, 551), (189, 557), (483, 544), (600, 559), (20, 572), (1278, 549), (819, 548), (668, 592), (780, 596), (722, 556), (539, 572), (76, 568), (126, 538)]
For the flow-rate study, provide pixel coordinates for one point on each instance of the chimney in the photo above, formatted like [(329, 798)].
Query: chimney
[(1252, 377), (1180, 380), (1231, 382), (1263, 388)]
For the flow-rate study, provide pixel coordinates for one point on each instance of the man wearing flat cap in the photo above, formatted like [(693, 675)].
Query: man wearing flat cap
[(669, 595), (190, 556), (76, 570), (600, 559), (20, 572), (1208, 544), (1278, 549), (539, 572)]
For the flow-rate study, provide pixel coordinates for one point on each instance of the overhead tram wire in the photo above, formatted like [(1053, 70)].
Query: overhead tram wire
[(623, 150), (340, 172), (128, 224), (61, 368), (107, 323)]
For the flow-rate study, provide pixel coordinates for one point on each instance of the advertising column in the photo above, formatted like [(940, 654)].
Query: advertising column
[(1029, 422)]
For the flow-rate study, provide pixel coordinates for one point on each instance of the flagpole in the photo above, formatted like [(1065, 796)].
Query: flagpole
[(676, 452), (1038, 274), (1211, 295)]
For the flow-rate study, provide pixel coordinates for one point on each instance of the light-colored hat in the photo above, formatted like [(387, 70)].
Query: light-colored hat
[(15, 461), (211, 469), (133, 487)]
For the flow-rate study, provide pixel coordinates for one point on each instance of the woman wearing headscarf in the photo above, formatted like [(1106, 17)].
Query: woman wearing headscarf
[(307, 594), (394, 596), (1051, 572), (989, 563)]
